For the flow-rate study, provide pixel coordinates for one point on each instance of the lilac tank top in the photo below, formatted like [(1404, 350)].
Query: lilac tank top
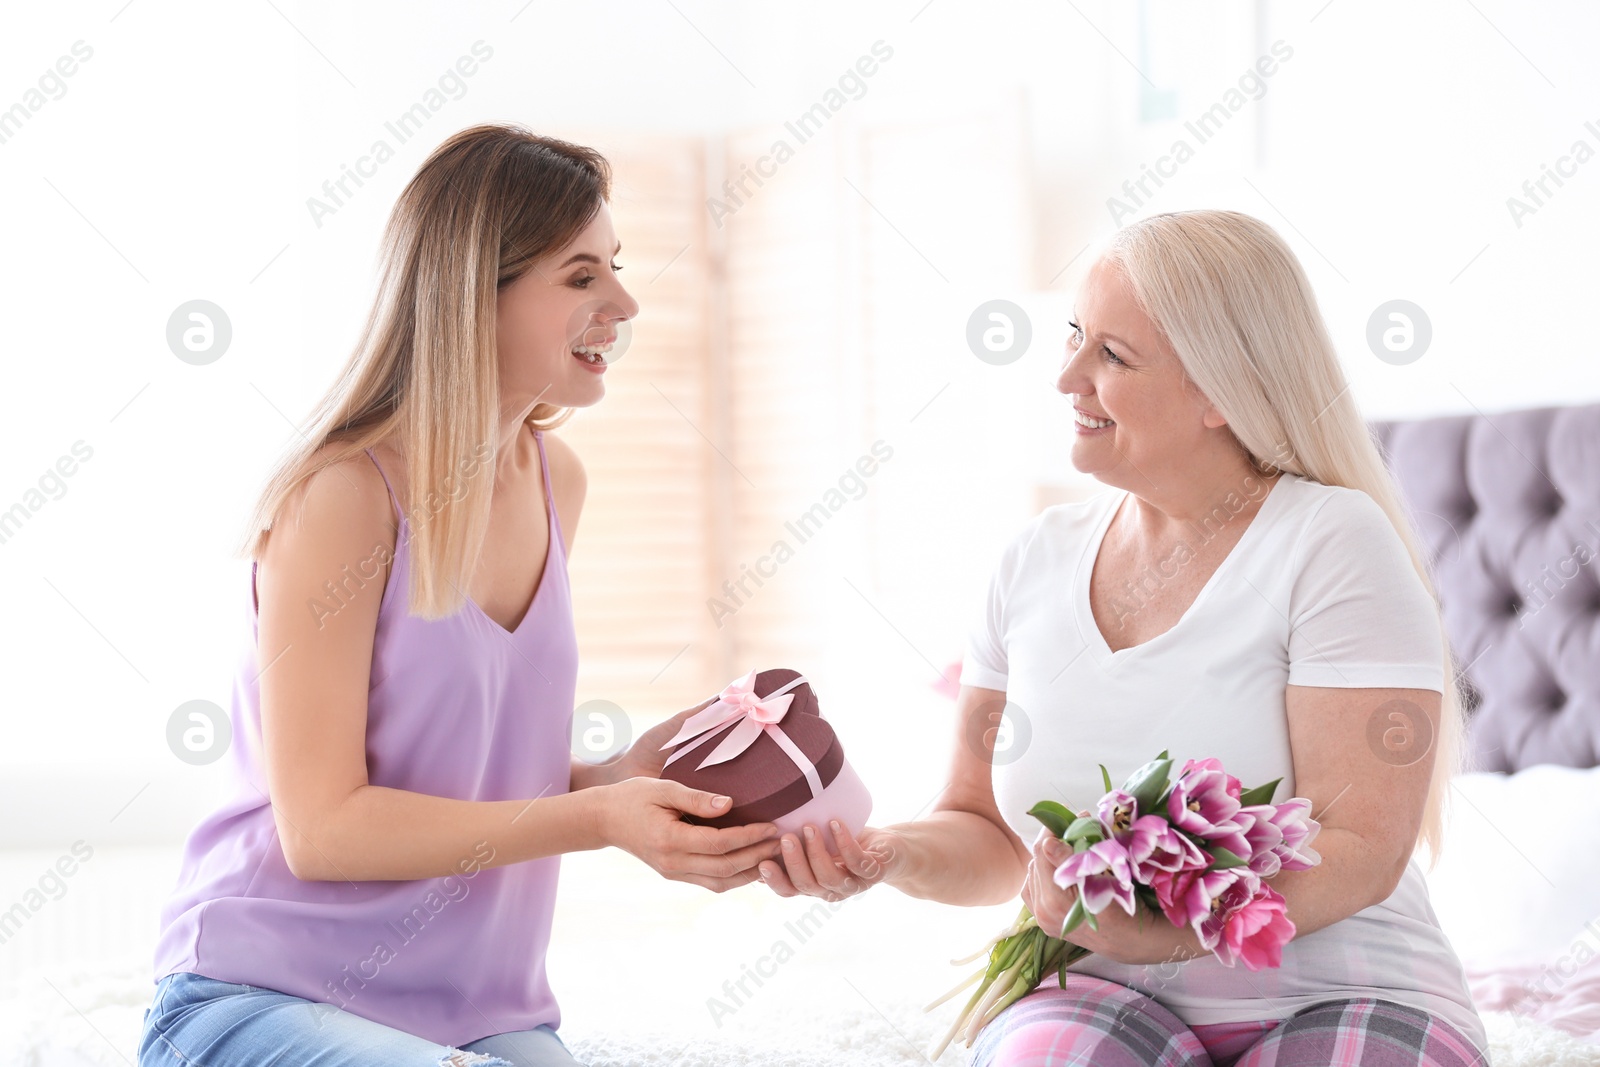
[(458, 707)]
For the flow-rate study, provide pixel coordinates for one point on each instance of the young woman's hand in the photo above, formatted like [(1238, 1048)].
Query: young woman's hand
[(1141, 938), (643, 816), (808, 868), (645, 758)]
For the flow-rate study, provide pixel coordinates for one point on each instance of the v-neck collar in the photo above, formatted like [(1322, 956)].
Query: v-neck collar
[(538, 594), (1094, 640), (550, 555), (555, 554)]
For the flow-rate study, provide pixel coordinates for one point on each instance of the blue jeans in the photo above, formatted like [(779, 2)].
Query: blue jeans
[(195, 1021)]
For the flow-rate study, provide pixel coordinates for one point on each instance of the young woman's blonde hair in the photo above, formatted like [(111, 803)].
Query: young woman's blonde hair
[(1236, 306), (424, 377)]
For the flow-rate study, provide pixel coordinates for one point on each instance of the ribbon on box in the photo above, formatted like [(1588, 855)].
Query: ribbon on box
[(755, 715)]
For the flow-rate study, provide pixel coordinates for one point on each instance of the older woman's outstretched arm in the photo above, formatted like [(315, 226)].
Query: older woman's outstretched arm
[(962, 853)]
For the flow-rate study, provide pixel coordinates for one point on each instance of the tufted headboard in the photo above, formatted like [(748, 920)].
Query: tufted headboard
[(1509, 506)]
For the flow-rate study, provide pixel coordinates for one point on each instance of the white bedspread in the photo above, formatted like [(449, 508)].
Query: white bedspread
[(91, 1017), (641, 966), (1563, 994)]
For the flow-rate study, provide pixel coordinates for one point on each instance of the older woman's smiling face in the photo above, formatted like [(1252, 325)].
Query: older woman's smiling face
[(1138, 419)]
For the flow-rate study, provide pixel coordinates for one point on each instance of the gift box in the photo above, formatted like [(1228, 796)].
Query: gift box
[(764, 743)]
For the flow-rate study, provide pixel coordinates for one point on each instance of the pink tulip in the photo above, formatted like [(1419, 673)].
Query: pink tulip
[(1173, 893), (1293, 820), (1189, 898), (1204, 801), (1211, 763), (1265, 838), (1100, 873), (1154, 846), (1226, 891), (1116, 811), (1255, 932)]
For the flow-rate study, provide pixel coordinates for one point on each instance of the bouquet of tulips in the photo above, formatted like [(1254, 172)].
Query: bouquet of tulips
[(1196, 850)]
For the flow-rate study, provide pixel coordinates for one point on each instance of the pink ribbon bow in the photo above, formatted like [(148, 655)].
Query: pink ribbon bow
[(755, 715)]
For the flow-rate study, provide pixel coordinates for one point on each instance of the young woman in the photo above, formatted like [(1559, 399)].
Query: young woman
[(379, 889), (1250, 589)]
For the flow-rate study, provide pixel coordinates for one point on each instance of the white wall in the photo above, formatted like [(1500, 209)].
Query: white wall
[(178, 161)]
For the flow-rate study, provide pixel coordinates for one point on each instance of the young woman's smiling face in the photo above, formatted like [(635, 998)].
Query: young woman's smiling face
[(1136, 414), (556, 324)]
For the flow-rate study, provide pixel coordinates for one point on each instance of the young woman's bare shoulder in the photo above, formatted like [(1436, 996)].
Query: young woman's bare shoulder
[(350, 492), (565, 465), (339, 516), (568, 479)]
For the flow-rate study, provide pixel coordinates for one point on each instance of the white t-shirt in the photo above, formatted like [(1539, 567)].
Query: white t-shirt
[(1318, 591)]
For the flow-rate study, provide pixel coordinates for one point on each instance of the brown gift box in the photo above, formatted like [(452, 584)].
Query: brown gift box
[(765, 780)]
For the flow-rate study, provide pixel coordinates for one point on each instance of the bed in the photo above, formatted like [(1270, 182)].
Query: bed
[(1510, 507)]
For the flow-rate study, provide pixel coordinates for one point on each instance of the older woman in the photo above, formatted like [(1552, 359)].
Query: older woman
[(1249, 589)]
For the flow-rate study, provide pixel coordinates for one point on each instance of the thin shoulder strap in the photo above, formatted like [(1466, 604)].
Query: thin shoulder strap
[(398, 514), (549, 491)]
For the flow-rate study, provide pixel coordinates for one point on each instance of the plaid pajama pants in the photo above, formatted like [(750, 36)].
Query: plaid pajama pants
[(1095, 1023)]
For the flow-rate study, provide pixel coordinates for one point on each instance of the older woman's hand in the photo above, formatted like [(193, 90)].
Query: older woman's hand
[(1141, 938), (807, 868)]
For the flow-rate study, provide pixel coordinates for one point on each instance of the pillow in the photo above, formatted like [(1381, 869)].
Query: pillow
[(1518, 877)]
